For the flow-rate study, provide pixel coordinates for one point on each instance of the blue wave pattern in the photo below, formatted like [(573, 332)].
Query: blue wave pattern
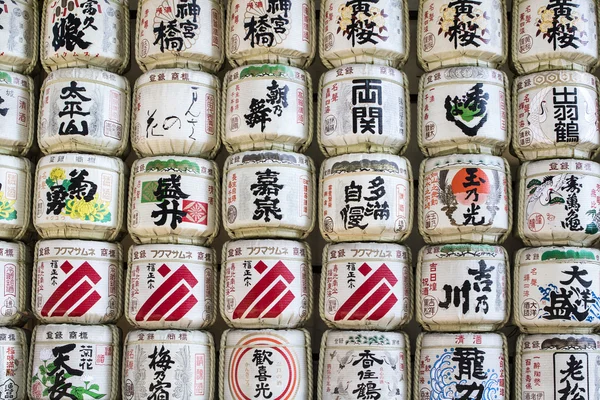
[(594, 309), (443, 384)]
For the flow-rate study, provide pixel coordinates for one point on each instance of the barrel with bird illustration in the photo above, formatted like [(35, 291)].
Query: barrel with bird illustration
[(352, 362), (20, 36), (15, 299), (556, 115), (559, 203), (17, 110)]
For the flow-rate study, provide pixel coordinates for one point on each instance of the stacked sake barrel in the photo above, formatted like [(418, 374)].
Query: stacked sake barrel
[(18, 58), (268, 201), (174, 201), (465, 209), (366, 200), (556, 137)]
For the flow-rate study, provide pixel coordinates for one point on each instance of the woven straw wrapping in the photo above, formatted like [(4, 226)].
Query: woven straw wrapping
[(536, 129), (447, 126), (18, 93), (534, 47), (451, 265), (348, 271), (202, 52), (102, 48), (15, 198), (21, 37), (106, 126), (58, 296), (96, 210), (176, 112), (264, 262), (149, 303), (289, 129), (13, 363), (437, 47), (295, 47), (14, 261), (389, 45), (337, 133), (393, 375)]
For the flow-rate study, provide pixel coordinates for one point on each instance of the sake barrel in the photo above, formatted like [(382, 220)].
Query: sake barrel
[(84, 110), (467, 365), (465, 199), (556, 115), (168, 363), (176, 112), (355, 362), (559, 203), (15, 197), (462, 287), (370, 32), (363, 108), (267, 107), (77, 281), (265, 364), (169, 35), (279, 32), (350, 273), (266, 283), (14, 278), (365, 197), (463, 110), (20, 37), (13, 363), (86, 359), (85, 34), (461, 33), (80, 196), (17, 111), (173, 199), (170, 287), (268, 194), (549, 35), (555, 365), (557, 289)]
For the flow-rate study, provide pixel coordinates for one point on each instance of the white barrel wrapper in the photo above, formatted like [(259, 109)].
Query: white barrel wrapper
[(15, 278), (180, 34), (548, 35), (170, 286), (84, 110), (373, 32), (85, 34), (176, 112), (351, 272), (85, 357), (465, 199), (77, 281), (365, 197), (265, 364), (463, 110), (462, 287), (352, 363), (363, 108), (79, 196), (557, 289), (271, 32), (168, 364), (267, 107), (20, 37), (553, 366), (17, 110), (453, 33), (556, 115), (559, 203), (173, 200), (268, 194), (13, 363), (266, 283), (469, 365), (15, 197)]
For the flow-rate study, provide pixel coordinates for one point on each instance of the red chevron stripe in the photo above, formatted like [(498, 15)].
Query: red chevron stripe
[(85, 306), (168, 303), (384, 308), (368, 304), (71, 299), (267, 299), (183, 309), (281, 305)]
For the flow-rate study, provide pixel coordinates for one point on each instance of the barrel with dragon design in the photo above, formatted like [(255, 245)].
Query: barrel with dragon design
[(15, 278), (15, 197), (20, 37), (13, 363), (18, 112)]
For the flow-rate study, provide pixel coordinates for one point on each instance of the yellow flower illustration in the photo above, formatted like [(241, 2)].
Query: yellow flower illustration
[(94, 211), (546, 15), (57, 174), (7, 208)]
